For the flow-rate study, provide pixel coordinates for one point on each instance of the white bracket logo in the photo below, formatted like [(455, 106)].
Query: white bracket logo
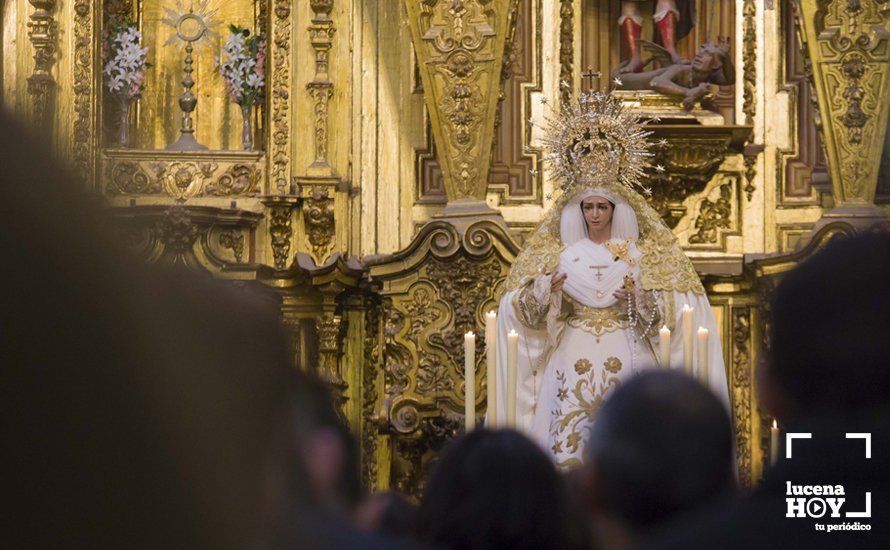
[(790, 437)]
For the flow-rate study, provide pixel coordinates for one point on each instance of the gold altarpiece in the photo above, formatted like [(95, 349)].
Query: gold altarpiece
[(394, 173)]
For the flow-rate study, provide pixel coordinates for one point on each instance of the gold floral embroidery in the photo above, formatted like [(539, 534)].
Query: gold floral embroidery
[(579, 405), (620, 251), (582, 366), (613, 365), (596, 320)]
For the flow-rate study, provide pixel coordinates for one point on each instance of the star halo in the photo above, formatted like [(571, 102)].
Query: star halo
[(594, 137)]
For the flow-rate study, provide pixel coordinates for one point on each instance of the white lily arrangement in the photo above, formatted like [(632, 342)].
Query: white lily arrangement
[(125, 60), (242, 64)]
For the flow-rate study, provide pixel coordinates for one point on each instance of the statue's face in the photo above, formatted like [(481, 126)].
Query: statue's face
[(597, 212), (706, 60)]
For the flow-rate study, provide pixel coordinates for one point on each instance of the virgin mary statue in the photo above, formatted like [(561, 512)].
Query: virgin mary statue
[(596, 281)]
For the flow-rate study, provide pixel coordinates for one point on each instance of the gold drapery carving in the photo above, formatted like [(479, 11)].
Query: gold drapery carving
[(849, 46), (460, 46), (514, 158)]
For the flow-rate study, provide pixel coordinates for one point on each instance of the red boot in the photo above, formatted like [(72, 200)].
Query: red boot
[(667, 29), (631, 32)]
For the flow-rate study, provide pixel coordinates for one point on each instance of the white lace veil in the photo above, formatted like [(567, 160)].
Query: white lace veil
[(573, 228)]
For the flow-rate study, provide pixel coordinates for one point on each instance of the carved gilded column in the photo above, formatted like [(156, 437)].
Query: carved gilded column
[(329, 327), (320, 187), (42, 31), (742, 388), (460, 46), (321, 35), (85, 139), (279, 90), (849, 47), (749, 94), (334, 282)]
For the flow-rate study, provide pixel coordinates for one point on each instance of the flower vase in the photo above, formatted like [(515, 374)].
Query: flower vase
[(246, 130), (123, 136)]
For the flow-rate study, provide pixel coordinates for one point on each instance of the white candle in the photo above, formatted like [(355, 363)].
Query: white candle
[(512, 354), (686, 316), (664, 340), (703, 355), (491, 347), (470, 380), (774, 443)]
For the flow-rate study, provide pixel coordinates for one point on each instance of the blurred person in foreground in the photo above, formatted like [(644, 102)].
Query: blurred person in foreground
[(826, 375), (324, 453), (141, 407), (661, 447), (497, 490), (387, 513)]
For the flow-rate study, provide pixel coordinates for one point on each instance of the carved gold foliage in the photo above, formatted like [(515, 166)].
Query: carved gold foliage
[(321, 94), (849, 46), (396, 357), (85, 92), (432, 376), (329, 327), (463, 284), (433, 292), (460, 46), (182, 180), (233, 241), (566, 49), (749, 60), (130, 178), (280, 93), (318, 218), (370, 370), (741, 391), (280, 233), (177, 231), (713, 215), (239, 179), (181, 177), (690, 163)]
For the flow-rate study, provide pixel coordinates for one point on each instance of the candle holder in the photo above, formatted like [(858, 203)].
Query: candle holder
[(191, 27)]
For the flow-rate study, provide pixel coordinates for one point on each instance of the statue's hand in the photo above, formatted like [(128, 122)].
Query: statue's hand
[(694, 94), (622, 296)]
